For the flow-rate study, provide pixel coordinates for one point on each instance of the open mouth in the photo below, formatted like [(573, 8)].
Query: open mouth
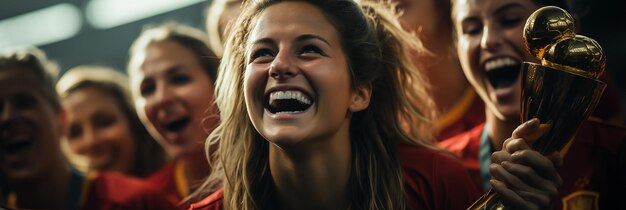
[(17, 145), (290, 101), (502, 72), (178, 124)]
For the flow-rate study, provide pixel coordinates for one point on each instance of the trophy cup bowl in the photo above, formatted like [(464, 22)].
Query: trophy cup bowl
[(560, 99)]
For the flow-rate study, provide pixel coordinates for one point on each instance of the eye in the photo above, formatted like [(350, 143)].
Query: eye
[(311, 50), (401, 7), (262, 55), (103, 120), (24, 101), (179, 79), (147, 88), (472, 28), (74, 132), (509, 22)]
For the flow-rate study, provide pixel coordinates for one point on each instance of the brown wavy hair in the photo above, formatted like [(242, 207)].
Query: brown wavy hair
[(377, 49)]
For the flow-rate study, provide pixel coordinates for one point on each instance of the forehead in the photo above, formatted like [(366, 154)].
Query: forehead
[(165, 52), (292, 18), (462, 9), (90, 95), (18, 78)]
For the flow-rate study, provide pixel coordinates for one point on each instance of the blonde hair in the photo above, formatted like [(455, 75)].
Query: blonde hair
[(190, 38), (214, 21), (35, 60), (377, 49)]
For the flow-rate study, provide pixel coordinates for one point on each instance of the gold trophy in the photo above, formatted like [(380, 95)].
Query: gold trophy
[(563, 90)]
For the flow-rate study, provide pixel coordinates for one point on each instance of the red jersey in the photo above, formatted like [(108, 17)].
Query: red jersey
[(609, 107), (466, 114), (171, 180), (104, 190), (433, 180), (593, 170), (110, 190)]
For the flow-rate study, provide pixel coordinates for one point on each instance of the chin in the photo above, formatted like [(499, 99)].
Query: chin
[(509, 113), (283, 140)]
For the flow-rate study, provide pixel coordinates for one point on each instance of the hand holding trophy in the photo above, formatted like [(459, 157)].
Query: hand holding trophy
[(563, 90)]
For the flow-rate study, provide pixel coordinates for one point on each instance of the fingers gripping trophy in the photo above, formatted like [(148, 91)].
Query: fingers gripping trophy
[(563, 90)]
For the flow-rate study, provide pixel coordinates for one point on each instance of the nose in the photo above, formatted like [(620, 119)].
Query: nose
[(6, 111), (282, 66), (491, 39), (163, 96)]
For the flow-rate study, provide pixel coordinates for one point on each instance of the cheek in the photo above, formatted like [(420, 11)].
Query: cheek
[(254, 86), (463, 51), (200, 97), (145, 111), (75, 146)]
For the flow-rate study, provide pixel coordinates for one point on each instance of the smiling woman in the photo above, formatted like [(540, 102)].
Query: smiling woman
[(34, 172), (172, 72), (103, 126), (311, 102), (491, 49)]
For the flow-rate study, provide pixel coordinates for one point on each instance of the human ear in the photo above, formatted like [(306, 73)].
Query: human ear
[(361, 97)]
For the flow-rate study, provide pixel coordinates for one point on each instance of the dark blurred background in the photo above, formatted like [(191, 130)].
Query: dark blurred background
[(96, 32)]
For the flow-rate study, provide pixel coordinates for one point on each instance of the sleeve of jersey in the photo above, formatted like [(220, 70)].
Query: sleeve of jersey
[(455, 189)]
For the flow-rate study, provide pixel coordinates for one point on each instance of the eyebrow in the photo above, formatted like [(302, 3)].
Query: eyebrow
[(302, 37), (311, 36), (172, 70), (508, 6)]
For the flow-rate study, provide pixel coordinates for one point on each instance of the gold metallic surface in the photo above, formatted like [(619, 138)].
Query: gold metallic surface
[(560, 99), (546, 26), (579, 55), (562, 92)]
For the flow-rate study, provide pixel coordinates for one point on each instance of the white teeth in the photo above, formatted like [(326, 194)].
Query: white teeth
[(290, 94), (499, 63)]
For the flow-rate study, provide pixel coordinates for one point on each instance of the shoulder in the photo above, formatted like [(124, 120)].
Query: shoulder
[(212, 202), (113, 190), (428, 162), (435, 179), (598, 133), (463, 141), (162, 175)]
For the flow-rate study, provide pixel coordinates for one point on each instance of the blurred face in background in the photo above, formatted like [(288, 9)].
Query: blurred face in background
[(491, 49), (428, 20), (173, 94), (30, 127), (99, 130)]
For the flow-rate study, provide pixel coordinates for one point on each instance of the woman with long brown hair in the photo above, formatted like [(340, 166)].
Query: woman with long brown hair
[(312, 97)]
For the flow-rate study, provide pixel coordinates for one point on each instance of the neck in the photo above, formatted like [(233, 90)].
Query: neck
[(196, 169), (313, 176), (500, 129), (49, 192), (448, 83)]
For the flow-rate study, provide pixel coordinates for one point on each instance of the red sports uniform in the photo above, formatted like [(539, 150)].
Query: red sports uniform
[(114, 191), (593, 170), (171, 181), (434, 180), (466, 114)]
